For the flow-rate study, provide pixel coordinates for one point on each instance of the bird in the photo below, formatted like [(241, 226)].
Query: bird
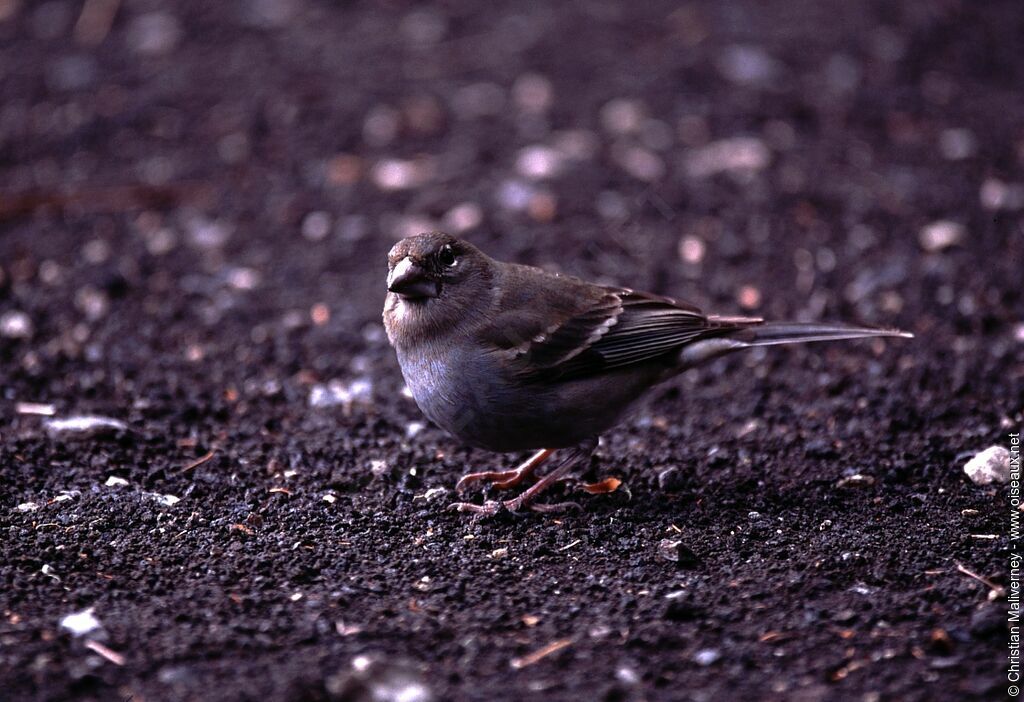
[(512, 358)]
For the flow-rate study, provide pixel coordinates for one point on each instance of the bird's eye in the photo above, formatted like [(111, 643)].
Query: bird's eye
[(446, 256)]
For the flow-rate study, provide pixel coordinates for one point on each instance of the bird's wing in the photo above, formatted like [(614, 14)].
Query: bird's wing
[(595, 329)]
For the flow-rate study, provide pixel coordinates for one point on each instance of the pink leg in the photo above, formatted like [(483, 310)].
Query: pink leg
[(503, 479), (528, 497)]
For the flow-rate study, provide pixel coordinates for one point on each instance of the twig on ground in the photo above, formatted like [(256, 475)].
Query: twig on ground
[(540, 654)]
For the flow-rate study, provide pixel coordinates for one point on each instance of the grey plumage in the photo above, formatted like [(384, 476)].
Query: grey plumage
[(510, 358)]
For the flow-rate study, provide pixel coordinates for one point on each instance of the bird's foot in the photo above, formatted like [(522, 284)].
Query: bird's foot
[(499, 479), (487, 509), (528, 498), (493, 507), (504, 479)]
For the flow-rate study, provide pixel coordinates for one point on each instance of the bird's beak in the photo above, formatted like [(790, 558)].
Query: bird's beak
[(407, 279)]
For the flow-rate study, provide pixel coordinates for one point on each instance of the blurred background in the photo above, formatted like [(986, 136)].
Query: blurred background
[(167, 162), (196, 199)]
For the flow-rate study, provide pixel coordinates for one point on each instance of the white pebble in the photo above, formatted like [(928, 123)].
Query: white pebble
[(84, 425), (737, 155), (997, 195), (335, 392), (538, 162), (16, 325), (114, 481), (990, 466), (940, 235), (81, 623), (706, 656), (396, 174), (692, 249), (36, 408)]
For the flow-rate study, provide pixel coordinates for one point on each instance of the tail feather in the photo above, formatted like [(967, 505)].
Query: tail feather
[(743, 333), (775, 333)]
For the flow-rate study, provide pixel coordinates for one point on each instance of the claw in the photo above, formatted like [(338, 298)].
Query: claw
[(489, 508), (497, 478)]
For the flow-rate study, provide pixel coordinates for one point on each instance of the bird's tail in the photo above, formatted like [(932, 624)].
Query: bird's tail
[(736, 333)]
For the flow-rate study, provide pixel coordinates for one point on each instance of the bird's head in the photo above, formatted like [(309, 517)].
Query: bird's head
[(433, 265), (434, 282)]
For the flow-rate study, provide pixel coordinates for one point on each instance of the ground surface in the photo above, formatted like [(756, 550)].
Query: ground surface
[(205, 194)]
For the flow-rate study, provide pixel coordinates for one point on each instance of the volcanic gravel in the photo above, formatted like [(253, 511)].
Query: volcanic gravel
[(195, 203)]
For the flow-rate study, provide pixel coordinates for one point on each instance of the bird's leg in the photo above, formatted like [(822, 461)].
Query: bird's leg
[(528, 497), (503, 479)]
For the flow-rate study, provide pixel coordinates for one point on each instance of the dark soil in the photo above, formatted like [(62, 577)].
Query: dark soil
[(159, 265)]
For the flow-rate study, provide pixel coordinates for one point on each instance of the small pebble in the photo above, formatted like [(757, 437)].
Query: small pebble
[(706, 656), (996, 195), (676, 552), (692, 249), (81, 623), (627, 676), (740, 155), (114, 481), (749, 297), (857, 480), (84, 426), (989, 466), (16, 325), (316, 226), (671, 479), (538, 162), (37, 408), (397, 174), (434, 494), (940, 235), (747, 65), (336, 392)]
